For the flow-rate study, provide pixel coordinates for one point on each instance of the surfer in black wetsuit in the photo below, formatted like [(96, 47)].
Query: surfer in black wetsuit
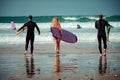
[(30, 34), (100, 25)]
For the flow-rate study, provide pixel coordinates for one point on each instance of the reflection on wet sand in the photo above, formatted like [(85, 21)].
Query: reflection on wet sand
[(30, 68), (102, 67), (57, 64), (68, 67)]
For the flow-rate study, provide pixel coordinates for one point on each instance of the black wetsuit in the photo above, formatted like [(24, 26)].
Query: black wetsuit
[(30, 34), (100, 25)]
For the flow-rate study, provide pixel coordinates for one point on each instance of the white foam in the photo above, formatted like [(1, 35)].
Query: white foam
[(70, 18), (94, 18), (115, 24), (74, 25), (88, 33)]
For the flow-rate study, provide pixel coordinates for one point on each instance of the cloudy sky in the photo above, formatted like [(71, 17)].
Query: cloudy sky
[(58, 7)]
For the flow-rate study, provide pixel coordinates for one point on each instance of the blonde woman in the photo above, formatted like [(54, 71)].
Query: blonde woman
[(56, 23)]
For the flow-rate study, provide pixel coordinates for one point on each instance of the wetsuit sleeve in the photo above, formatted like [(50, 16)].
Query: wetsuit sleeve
[(107, 24), (23, 26), (96, 25), (37, 28)]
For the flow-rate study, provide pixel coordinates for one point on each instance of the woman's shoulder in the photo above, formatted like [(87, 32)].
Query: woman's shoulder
[(52, 25)]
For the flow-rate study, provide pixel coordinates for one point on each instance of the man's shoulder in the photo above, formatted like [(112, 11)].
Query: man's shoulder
[(104, 20), (34, 23), (96, 21)]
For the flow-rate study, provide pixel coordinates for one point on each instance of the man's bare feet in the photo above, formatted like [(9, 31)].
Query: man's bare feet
[(31, 55), (100, 54), (104, 52), (25, 53)]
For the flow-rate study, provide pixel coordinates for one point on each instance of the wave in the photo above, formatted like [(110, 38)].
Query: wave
[(87, 33), (70, 18), (113, 18), (18, 39), (46, 26), (83, 35), (46, 19), (93, 18)]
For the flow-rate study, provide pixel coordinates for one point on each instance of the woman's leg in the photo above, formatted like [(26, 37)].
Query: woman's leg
[(58, 45), (55, 44)]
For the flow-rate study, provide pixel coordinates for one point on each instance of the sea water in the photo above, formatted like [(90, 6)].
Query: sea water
[(87, 32)]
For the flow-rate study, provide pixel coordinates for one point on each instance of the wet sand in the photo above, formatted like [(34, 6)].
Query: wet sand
[(75, 62)]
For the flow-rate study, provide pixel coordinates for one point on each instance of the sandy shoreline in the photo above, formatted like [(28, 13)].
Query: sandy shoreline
[(76, 62), (115, 76), (82, 48)]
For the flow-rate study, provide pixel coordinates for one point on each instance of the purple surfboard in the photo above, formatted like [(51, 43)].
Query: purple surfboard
[(65, 35)]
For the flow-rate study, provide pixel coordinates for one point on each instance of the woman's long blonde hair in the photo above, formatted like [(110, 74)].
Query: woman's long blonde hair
[(56, 23)]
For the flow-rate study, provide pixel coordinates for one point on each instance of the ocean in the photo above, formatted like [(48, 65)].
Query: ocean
[(87, 32)]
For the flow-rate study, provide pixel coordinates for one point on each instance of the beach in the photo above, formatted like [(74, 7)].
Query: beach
[(76, 61), (79, 57)]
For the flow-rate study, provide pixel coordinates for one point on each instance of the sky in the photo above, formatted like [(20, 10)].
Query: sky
[(58, 7)]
